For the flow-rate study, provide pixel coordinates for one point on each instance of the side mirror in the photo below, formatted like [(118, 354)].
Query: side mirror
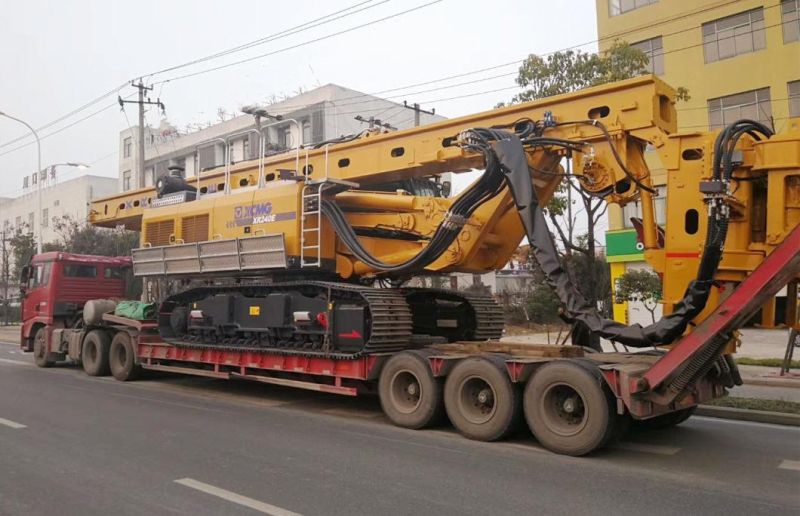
[(24, 275), (446, 188)]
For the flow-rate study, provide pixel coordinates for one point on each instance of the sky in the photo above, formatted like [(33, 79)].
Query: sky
[(56, 57)]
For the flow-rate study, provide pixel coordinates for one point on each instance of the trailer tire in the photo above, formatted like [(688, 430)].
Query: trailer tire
[(410, 395), (41, 355), (480, 399), (569, 408), (665, 420), (122, 358), (94, 353)]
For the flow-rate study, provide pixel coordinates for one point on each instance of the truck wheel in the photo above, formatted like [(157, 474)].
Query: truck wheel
[(122, 358), (665, 420), (480, 399), (410, 395), (94, 353), (569, 409), (41, 355)]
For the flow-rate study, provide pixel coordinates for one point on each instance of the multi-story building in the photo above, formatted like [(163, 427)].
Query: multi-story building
[(59, 198), (737, 59), (309, 118)]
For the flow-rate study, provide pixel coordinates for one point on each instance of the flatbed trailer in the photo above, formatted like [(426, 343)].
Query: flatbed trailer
[(573, 399)]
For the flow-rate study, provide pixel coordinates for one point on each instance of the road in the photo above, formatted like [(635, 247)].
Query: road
[(72, 444)]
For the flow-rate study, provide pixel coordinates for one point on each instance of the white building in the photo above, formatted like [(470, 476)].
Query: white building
[(71, 198), (319, 115)]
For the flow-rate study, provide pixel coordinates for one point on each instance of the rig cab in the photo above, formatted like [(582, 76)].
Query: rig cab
[(55, 286)]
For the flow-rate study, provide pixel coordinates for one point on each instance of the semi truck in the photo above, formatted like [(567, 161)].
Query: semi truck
[(293, 269)]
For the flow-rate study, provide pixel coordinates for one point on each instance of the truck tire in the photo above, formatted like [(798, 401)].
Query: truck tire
[(665, 420), (41, 355), (480, 399), (569, 408), (410, 395), (94, 353), (122, 358)]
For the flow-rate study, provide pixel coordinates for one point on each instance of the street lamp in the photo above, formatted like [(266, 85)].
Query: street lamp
[(38, 171)]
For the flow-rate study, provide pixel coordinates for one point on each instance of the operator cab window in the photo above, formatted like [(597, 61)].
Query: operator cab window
[(80, 271), (114, 273), (40, 275)]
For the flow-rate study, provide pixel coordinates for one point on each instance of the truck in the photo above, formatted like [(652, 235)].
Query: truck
[(293, 270)]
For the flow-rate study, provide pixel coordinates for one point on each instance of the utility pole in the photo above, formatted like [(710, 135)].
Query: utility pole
[(5, 275), (140, 145), (417, 111), (375, 122)]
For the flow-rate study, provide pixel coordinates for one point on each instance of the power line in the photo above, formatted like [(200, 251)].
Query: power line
[(298, 45)]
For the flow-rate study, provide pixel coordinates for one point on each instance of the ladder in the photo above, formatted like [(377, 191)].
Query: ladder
[(311, 224)]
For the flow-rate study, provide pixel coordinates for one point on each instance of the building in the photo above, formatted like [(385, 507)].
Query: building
[(737, 59), (318, 115), (63, 198)]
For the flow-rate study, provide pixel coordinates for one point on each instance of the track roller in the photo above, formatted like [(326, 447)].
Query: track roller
[(410, 395), (569, 408), (94, 354), (122, 358), (480, 399)]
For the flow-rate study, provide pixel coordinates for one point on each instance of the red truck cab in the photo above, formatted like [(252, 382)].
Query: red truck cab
[(55, 286)]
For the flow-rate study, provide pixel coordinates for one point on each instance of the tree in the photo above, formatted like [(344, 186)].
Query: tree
[(23, 247), (75, 237), (640, 285)]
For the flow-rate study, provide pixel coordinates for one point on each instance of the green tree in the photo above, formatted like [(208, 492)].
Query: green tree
[(23, 247), (640, 285), (83, 238)]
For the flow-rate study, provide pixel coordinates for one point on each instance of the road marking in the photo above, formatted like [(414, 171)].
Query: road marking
[(235, 498), (790, 464), (745, 423), (14, 362), (526, 447), (349, 413), (11, 424), (648, 448)]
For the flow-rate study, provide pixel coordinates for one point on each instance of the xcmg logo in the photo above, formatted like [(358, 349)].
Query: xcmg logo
[(253, 214)]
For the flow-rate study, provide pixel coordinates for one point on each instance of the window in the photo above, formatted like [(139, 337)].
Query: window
[(750, 104), (31, 219), (617, 7), (794, 98), (45, 217), (285, 137), (57, 202), (18, 222), (655, 52), (126, 180), (127, 145), (41, 274), (634, 209), (114, 273), (80, 271), (734, 35), (306, 132), (246, 149), (790, 18)]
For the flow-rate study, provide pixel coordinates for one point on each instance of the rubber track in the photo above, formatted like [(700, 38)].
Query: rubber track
[(390, 317), (489, 316)]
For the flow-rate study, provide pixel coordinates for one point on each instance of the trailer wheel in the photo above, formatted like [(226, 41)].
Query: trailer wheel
[(41, 355), (569, 409), (665, 420), (122, 358), (94, 354), (480, 399), (410, 395)]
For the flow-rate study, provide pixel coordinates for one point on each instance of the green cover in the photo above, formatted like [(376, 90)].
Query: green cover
[(136, 310)]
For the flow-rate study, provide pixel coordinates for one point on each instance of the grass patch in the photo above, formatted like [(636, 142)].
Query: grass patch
[(789, 407), (769, 362)]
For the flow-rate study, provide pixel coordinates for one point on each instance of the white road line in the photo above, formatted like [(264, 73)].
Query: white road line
[(15, 362), (773, 426), (648, 448), (11, 424), (235, 498), (790, 464)]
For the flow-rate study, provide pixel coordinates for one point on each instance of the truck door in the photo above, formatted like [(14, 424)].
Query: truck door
[(35, 302)]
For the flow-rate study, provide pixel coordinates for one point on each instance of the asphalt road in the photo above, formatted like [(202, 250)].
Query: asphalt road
[(71, 444)]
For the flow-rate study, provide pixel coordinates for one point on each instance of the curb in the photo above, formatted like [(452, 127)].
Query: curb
[(758, 416), (791, 383)]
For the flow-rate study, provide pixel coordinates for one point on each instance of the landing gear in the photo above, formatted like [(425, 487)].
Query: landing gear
[(480, 399), (410, 395), (569, 408)]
